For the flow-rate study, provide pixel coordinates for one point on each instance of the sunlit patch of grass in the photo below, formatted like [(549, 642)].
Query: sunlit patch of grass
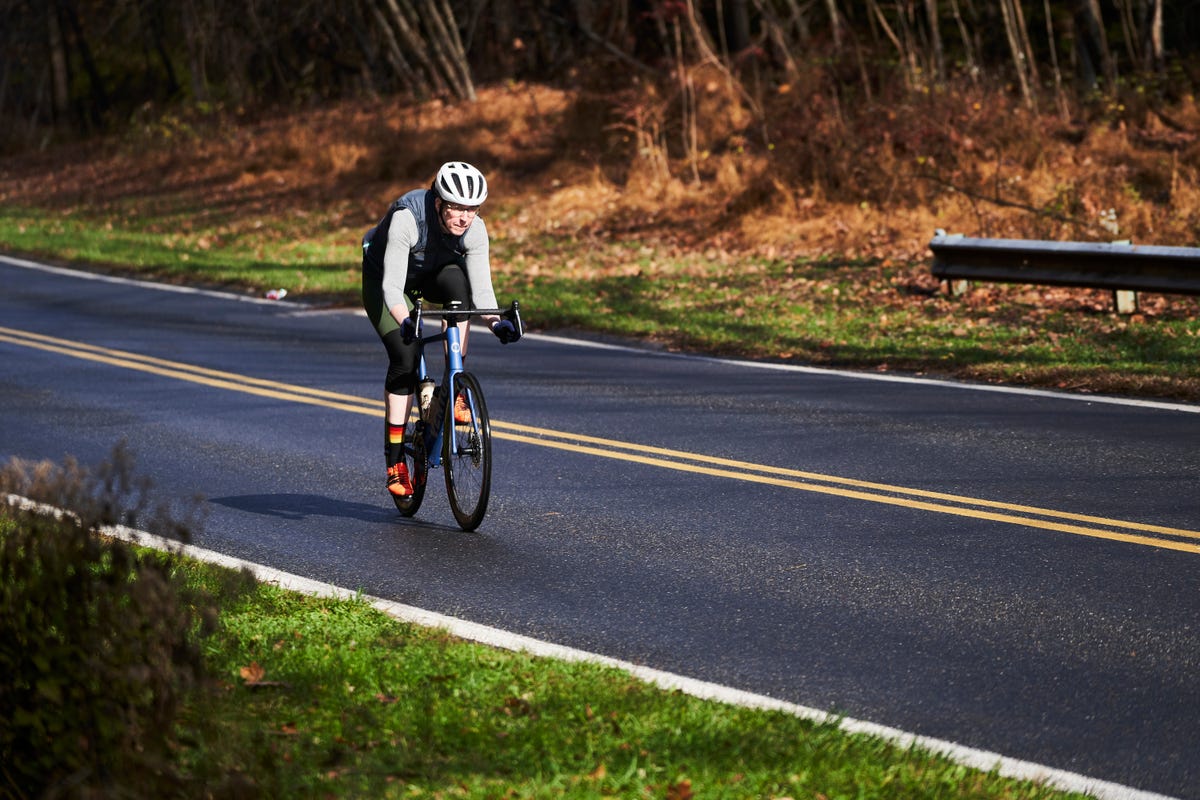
[(331, 698), (263, 255)]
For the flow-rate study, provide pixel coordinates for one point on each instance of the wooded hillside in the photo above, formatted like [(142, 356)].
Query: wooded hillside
[(861, 126), (83, 65)]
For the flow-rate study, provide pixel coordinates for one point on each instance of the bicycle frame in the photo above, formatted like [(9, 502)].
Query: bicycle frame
[(434, 438), (452, 336), (435, 418)]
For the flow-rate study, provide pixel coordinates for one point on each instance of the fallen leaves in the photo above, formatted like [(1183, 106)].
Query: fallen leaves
[(253, 675)]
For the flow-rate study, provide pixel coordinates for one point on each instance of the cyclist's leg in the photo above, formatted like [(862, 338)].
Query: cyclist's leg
[(449, 284), (399, 383), (401, 380)]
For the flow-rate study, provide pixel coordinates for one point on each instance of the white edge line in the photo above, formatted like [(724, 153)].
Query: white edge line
[(145, 284), (867, 376), (873, 376), (495, 637)]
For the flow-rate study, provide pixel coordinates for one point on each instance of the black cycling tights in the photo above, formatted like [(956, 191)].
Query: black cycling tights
[(447, 285)]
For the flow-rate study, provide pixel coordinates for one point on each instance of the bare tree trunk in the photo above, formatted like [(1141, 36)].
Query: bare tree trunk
[(968, 47), (394, 55), (271, 54), (412, 42), (1027, 46), (687, 90), (1141, 22), (777, 34), (59, 76), (935, 41), (1153, 56), (1016, 44), (1095, 60), (835, 24), (99, 95), (1130, 29), (798, 19), (739, 38), (901, 52), (449, 46), (150, 18), (704, 45), (1060, 97), (197, 46), (617, 29), (38, 96), (909, 49)]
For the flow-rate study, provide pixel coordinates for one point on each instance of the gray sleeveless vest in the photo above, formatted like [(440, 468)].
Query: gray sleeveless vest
[(433, 250)]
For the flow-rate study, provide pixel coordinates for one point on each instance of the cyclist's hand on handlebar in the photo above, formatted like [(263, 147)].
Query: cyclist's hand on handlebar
[(506, 332), (408, 330)]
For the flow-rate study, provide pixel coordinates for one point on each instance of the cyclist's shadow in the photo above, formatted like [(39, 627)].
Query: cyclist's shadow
[(297, 507)]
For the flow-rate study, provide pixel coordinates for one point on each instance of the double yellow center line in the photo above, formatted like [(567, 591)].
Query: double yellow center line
[(918, 499)]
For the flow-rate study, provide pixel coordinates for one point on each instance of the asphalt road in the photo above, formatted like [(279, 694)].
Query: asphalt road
[(1015, 572)]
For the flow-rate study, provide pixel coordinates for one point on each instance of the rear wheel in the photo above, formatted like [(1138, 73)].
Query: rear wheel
[(417, 462), (467, 455)]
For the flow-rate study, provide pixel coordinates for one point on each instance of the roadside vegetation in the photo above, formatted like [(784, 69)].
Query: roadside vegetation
[(196, 681)]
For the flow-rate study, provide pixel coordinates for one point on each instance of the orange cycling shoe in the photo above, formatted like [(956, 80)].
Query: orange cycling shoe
[(462, 413), (398, 482)]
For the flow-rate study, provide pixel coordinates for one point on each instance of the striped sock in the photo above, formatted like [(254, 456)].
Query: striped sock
[(395, 444)]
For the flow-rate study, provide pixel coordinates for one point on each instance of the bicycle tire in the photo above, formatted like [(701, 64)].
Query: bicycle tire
[(417, 462), (467, 455)]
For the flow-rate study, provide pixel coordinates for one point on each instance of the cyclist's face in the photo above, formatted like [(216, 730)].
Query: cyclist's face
[(455, 218)]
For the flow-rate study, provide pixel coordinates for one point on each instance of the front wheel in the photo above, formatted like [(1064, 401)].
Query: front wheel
[(467, 454)]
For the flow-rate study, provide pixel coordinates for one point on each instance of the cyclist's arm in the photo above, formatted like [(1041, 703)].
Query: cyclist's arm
[(479, 269), (402, 235)]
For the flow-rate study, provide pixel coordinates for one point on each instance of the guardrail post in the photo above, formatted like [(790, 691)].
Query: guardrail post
[(957, 288), (1126, 301)]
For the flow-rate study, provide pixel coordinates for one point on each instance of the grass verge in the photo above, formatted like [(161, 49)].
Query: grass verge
[(320, 697), (304, 696)]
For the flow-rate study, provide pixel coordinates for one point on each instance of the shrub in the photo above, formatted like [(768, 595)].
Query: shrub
[(97, 641)]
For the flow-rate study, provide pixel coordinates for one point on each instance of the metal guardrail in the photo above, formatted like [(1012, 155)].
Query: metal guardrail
[(1121, 266)]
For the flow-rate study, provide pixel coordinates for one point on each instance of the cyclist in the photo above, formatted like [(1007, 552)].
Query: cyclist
[(431, 243)]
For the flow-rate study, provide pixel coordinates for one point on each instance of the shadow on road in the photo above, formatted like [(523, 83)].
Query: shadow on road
[(302, 506)]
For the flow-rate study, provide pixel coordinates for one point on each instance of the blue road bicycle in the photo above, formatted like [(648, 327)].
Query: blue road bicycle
[(435, 435)]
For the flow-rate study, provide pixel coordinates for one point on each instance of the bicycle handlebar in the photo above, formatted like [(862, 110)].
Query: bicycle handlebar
[(512, 313)]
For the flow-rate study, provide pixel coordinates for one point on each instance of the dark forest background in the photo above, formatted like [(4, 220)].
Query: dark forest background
[(73, 67)]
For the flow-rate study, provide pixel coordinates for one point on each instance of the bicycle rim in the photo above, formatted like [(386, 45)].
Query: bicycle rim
[(416, 461), (467, 456)]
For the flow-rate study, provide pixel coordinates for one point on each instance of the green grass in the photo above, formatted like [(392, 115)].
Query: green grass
[(851, 314), (205, 249), (352, 703)]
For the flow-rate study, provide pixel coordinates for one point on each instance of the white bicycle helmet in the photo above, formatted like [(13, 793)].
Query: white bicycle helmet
[(459, 182)]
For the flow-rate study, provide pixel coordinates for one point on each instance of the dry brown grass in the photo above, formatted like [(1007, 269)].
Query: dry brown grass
[(813, 175)]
